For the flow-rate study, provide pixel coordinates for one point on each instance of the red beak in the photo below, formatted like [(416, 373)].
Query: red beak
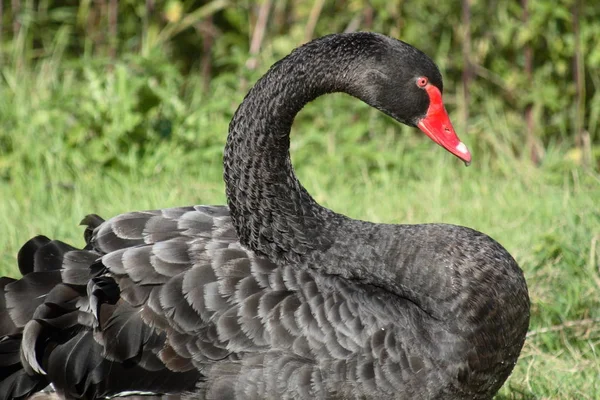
[(436, 124)]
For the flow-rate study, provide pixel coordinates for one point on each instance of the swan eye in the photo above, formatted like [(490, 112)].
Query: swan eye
[(422, 81)]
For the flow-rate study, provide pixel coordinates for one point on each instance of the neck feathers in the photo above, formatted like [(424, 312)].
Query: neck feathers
[(272, 212)]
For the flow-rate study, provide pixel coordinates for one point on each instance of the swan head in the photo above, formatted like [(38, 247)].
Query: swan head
[(404, 83)]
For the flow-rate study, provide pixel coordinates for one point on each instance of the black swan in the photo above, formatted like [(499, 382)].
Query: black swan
[(274, 296)]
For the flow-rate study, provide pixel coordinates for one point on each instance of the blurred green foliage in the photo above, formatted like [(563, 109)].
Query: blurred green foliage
[(151, 57)]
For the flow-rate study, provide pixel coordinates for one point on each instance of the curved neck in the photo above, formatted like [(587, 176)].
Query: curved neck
[(271, 211)]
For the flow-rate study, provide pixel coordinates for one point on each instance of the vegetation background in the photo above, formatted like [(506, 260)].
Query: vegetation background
[(108, 106)]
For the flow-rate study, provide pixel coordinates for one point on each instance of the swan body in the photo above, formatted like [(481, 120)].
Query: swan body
[(273, 296)]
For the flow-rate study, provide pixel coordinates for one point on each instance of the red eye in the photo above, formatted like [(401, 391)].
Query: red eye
[(422, 81)]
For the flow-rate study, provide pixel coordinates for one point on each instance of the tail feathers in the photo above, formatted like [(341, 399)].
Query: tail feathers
[(7, 326), (125, 396), (78, 369), (65, 322), (40, 261), (20, 301), (26, 256), (24, 296), (91, 222), (54, 321), (42, 254), (15, 383), (19, 385)]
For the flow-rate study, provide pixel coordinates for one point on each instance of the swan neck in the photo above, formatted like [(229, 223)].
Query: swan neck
[(272, 212)]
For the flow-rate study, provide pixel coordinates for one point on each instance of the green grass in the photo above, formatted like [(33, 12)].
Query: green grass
[(77, 141)]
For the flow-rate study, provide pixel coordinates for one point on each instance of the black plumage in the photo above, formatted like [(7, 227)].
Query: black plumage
[(273, 296)]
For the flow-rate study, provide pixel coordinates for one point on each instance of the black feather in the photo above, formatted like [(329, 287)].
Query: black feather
[(26, 256), (26, 294), (7, 325)]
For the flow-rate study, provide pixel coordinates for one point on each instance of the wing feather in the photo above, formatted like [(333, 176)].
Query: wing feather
[(168, 301)]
